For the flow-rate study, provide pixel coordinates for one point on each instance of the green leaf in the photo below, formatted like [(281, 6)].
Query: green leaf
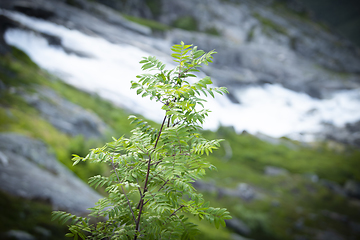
[(139, 91)]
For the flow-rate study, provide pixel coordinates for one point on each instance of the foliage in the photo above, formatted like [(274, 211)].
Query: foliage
[(186, 22), (154, 25), (272, 217), (149, 188)]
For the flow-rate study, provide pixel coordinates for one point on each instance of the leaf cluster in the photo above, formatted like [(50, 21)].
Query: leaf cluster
[(150, 189)]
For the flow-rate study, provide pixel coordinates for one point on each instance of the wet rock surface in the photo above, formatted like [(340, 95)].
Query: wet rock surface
[(34, 173)]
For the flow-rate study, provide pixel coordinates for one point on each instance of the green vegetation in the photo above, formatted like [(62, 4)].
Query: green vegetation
[(154, 25), (150, 186), (74, 3), (19, 74), (250, 34), (318, 160), (154, 6), (188, 23), (268, 25), (212, 31), (285, 200), (302, 16)]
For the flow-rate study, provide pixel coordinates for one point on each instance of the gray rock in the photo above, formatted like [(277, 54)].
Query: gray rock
[(299, 224), (5, 23), (33, 172), (336, 188), (352, 188), (275, 171), (270, 56), (238, 226), (238, 237), (328, 235), (19, 235), (355, 227), (3, 159), (205, 186), (43, 231), (64, 115), (313, 177), (350, 134), (276, 141), (335, 216), (243, 191)]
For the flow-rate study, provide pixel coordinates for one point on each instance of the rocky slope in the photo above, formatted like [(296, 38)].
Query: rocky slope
[(28, 170), (275, 188), (257, 43)]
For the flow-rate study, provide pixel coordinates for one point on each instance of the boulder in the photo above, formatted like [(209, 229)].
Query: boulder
[(33, 172), (5, 23), (19, 235), (64, 115), (352, 188), (333, 186), (238, 226), (275, 171), (349, 134)]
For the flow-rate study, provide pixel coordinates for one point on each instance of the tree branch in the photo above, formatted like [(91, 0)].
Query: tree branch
[(146, 182)]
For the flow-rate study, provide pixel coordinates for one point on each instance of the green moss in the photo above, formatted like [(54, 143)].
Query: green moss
[(154, 25), (155, 7), (250, 34), (267, 25), (212, 31), (73, 3), (188, 23)]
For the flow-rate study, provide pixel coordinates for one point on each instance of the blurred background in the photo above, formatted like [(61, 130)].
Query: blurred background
[(289, 167)]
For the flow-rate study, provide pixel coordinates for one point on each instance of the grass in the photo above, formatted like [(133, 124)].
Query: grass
[(286, 199), (20, 74), (253, 155)]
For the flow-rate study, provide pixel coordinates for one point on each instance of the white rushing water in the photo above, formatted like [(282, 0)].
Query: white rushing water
[(269, 109)]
